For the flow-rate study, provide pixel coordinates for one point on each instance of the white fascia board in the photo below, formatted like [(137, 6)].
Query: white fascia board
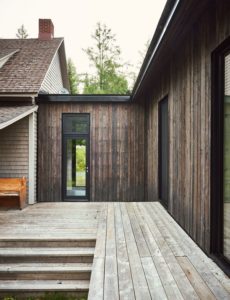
[(23, 115), (5, 58)]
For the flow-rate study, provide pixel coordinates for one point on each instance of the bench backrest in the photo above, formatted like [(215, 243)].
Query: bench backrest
[(12, 184)]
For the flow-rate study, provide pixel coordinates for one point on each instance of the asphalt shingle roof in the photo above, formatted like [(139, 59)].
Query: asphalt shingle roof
[(7, 113), (6, 52), (26, 69)]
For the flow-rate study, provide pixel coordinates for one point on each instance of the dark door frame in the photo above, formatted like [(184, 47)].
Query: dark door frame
[(85, 136), (217, 140), (164, 202)]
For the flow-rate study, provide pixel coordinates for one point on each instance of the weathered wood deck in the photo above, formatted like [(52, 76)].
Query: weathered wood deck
[(141, 252)]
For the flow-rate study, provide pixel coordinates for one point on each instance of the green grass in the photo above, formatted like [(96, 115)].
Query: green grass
[(80, 179), (50, 296)]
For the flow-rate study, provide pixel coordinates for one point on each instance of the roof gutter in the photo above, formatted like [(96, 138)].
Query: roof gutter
[(82, 98), (137, 87)]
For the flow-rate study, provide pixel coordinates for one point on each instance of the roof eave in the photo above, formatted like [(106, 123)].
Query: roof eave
[(21, 116), (162, 27)]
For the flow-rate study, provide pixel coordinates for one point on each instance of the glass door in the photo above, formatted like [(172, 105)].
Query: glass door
[(75, 157), (226, 159), (76, 167)]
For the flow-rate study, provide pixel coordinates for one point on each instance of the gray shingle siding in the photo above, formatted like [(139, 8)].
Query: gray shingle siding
[(14, 150), (53, 82)]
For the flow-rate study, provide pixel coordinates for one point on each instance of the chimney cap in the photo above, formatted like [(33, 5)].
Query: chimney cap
[(46, 29)]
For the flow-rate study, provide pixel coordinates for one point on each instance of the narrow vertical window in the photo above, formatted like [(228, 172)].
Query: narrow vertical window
[(226, 158), (75, 157), (163, 164)]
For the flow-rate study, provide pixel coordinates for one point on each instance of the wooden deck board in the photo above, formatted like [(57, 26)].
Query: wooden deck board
[(141, 252), (111, 279), (126, 290)]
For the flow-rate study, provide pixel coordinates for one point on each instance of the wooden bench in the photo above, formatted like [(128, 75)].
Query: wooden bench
[(13, 192)]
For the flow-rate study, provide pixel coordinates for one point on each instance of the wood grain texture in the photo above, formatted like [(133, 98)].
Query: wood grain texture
[(116, 151), (185, 77), (172, 266)]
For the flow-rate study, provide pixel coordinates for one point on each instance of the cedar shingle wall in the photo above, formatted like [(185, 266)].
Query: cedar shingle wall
[(53, 81), (187, 82), (14, 150)]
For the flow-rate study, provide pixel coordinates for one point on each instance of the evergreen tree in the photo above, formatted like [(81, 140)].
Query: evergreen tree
[(105, 57), (73, 77), (22, 33)]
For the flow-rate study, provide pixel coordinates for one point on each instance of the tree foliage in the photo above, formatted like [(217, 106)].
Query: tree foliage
[(22, 32), (73, 77), (105, 57)]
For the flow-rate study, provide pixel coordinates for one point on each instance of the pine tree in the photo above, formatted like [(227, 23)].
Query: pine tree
[(105, 56), (73, 77), (22, 33)]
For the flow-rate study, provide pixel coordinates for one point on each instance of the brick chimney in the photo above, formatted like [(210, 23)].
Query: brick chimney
[(46, 29)]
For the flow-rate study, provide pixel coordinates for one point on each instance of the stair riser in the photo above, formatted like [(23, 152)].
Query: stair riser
[(51, 244), (46, 276), (24, 295), (46, 259)]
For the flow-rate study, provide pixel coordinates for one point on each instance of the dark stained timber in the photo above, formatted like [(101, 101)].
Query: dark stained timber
[(182, 70), (116, 159)]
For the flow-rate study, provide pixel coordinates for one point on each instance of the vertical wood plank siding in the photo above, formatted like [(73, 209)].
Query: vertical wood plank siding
[(116, 151), (187, 82)]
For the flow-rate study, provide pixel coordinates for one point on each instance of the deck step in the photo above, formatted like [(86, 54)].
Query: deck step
[(47, 242), (45, 254), (45, 271), (33, 266), (43, 285)]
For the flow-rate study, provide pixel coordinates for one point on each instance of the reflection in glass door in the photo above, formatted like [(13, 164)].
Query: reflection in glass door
[(75, 178), (226, 158), (76, 167)]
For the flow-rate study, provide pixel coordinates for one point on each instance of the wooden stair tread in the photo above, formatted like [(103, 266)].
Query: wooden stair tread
[(47, 251), (45, 267), (43, 285), (44, 238)]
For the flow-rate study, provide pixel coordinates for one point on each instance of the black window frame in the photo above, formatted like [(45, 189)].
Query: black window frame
[(164, 202), (86, 136), (217, 159)]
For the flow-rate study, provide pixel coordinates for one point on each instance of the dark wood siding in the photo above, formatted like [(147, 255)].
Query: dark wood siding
[(186, 79), (116, 150)]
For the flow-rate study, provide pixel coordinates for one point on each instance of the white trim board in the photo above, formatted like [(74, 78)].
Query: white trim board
[(5, 58), (32, 158), (21, 116)]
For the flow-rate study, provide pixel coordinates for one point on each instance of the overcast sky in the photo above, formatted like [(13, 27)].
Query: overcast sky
[(133, 22)]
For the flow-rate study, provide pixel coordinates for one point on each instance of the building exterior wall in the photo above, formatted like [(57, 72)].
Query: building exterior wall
[(53, 83), (14, 150), (186, 80), (116, 151)]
